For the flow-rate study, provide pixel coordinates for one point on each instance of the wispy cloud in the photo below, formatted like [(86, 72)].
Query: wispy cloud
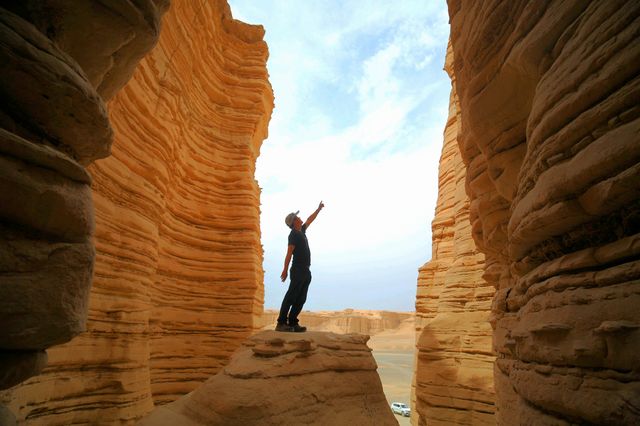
[(361, 103)]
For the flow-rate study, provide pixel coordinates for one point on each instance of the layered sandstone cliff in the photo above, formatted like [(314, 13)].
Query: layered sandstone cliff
[(277, 378), (549, 131), (54, 79), (453, 380), (178, 271)]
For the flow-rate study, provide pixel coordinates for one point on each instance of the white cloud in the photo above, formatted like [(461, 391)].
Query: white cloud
[(378, 81), (361, 103)]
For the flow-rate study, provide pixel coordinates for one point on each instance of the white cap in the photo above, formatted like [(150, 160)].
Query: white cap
[(290, 218)]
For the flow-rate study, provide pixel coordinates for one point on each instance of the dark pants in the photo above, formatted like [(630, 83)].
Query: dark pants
[(296, 295)]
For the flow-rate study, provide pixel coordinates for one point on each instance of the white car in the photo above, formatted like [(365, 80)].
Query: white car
[(400, 408)]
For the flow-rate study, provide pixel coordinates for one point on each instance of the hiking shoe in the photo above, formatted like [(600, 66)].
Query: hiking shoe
[(283, 327), (298, 328)]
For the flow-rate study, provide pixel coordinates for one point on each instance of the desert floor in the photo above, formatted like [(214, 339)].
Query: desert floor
[(396, 370), (394, 351)]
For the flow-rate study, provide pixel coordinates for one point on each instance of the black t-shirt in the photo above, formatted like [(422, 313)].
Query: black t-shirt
[(301, 253)]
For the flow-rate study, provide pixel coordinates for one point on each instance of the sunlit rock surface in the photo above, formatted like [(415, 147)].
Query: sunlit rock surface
[(389, 330), (453, 381), (288, 378), (550, 128), (178, 271)]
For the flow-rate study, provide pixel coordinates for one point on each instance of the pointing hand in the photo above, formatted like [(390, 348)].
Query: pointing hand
[(321, 205)]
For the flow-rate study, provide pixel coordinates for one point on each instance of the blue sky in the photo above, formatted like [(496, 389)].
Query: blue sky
[(361, 102)]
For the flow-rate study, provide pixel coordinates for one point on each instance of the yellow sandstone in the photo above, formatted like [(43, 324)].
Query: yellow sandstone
[(178, 271)]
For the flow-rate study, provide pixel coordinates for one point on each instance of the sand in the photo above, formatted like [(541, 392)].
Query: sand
[(394, 351)]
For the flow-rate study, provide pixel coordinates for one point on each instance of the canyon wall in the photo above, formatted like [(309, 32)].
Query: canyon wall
[(178, 271), (60, 62), (453, 376), (549, 134)]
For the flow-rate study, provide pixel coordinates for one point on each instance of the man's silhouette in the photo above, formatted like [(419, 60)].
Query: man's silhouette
[(300, 274)]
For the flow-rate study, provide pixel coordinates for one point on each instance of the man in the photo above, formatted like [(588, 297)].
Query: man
[(300, 273)]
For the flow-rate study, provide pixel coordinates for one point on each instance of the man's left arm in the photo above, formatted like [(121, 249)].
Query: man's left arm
[(313, 216)]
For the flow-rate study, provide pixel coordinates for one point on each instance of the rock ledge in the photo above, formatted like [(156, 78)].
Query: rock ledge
[(286, 378)]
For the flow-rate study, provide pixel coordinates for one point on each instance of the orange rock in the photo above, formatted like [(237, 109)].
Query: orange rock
[(453, 379), (53, 123), (178, 272), (549, 126)]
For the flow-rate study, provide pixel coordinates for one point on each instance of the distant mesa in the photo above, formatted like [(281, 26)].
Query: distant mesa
[(389, 330), (155, 250)]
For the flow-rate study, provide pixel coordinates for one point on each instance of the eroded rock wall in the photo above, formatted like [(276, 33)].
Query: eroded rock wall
[(550, 128), (53, 123), (453, 379), (178, 271)]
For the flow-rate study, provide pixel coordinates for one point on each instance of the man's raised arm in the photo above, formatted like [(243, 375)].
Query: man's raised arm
[(313, 216)]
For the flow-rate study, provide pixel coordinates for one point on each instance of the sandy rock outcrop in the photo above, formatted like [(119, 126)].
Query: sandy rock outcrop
[(389, 330), (550, 125), (453, 376), (288, 378), (53, 122), (178, 271)]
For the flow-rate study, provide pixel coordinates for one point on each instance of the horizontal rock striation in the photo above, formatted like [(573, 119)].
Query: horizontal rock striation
[(285, 378), (107, 39), (178, 272), (549, 135), (53, 122), (453, 382)]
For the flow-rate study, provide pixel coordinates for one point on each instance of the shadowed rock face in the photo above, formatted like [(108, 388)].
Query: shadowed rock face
[(53, 122), (549, 135), (288, 378), (106, 38)]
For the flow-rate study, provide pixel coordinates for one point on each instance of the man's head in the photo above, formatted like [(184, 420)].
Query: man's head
[(291, 219)]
